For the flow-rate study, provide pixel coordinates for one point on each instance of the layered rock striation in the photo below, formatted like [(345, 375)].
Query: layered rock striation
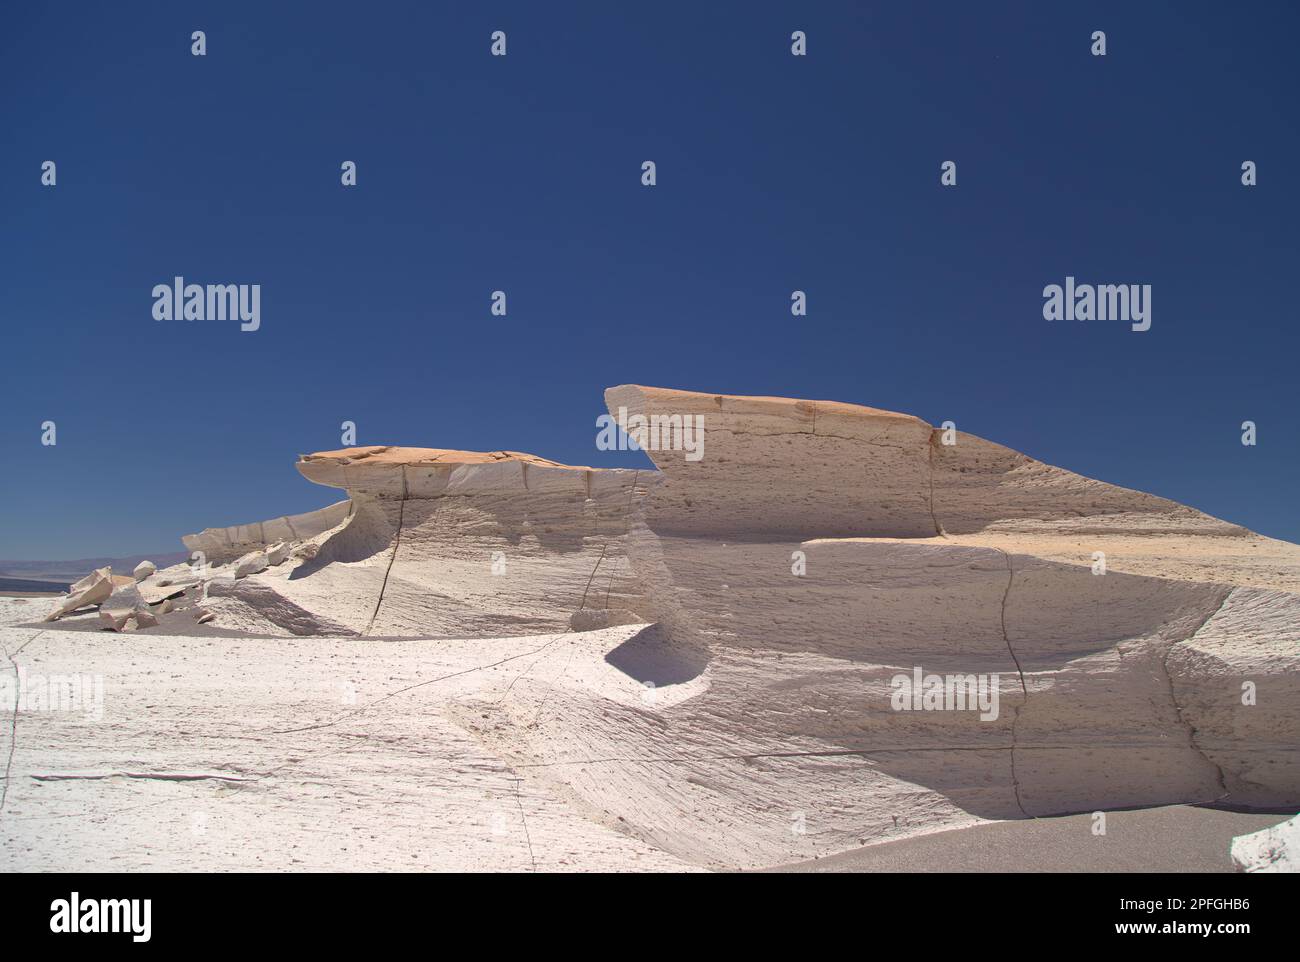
[(435, 542), (821, 551), (800, 562)]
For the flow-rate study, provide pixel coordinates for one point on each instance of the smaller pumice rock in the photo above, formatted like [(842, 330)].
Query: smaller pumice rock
[(144, 569), (144, 618), (115, 619), (307, 550), (251, 564), (155, 593), (125, 597), (278, 553), (203, 616), (94, 589)]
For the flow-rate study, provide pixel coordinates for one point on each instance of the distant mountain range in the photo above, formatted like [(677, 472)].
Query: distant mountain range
[(63, 573)]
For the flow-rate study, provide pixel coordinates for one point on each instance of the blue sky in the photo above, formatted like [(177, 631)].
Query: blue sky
[(522, 173)]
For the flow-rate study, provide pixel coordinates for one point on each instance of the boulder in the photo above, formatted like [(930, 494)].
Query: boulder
[(278, 553), (307, 550), (125, 596), (94, 589), (251, 564), (115, 619), (144, 569), (156, 592)]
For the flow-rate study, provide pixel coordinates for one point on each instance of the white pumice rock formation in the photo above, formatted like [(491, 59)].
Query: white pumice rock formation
[(223, 545), (468, 544), (816, 553), (819, 551)]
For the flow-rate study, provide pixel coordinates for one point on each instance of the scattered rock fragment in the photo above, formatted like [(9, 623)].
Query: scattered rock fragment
[(127, 619), (251, 564), (125, 597), (115, 619), (144, 569), (278, 554), (156, 593), (93, 589), (307, 550)]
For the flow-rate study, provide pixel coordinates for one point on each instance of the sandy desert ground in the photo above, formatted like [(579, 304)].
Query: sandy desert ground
[(259, 754), (219, 753)]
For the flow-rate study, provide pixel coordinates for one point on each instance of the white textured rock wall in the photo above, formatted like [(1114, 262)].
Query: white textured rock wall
[(220, 545), (1130, 696), (471, 549)]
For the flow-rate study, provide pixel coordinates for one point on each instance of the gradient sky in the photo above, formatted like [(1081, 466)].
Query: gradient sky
[(522, 173)]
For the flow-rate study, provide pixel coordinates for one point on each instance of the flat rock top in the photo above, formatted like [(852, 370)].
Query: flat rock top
[(396, 456), (753, 403)]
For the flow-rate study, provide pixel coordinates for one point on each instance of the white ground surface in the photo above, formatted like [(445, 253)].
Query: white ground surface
[(315, 754)]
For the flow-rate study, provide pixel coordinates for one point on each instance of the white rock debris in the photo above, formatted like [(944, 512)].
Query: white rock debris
[(1275, 849)]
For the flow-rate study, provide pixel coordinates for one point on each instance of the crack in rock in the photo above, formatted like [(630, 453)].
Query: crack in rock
[(1024, 689), (1178, 709), (397, 543), (13, 722), (148, 776)]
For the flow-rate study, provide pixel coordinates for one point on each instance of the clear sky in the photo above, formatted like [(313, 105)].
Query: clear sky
[(523, 173)]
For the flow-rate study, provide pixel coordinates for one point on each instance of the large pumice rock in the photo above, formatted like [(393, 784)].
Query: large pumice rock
[(93, 589), (817, 552), (802, 557)]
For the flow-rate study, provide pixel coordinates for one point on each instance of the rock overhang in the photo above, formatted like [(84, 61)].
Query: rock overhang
[(394, 471)]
